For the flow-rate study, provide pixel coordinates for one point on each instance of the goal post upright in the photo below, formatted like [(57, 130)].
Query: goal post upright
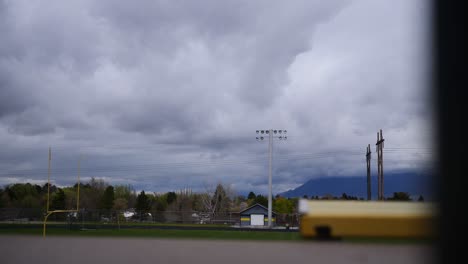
[(78, 187), (48, 180), (50, 212)]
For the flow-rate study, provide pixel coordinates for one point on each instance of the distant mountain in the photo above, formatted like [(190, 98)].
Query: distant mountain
[(411, 182)]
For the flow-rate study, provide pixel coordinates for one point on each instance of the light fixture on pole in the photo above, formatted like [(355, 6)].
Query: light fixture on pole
[(271, 133)]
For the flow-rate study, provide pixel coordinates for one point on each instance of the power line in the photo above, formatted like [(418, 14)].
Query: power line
[(182, 165)]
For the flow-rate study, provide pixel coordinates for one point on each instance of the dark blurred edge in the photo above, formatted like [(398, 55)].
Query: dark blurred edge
[(449, 88)]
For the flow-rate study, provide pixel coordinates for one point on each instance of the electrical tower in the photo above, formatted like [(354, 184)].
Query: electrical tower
[(380, 179), (368, 158)]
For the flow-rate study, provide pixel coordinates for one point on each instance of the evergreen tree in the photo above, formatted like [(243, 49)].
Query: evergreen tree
[(171, 197), (142, 203), (220, 199), (58, 200), (251, 196), (400, 196), (107, 201), (260, 199)]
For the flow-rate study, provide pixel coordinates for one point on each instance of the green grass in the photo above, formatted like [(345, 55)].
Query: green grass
[(167, 224), (122, 224), (158, 233), (14, 229)]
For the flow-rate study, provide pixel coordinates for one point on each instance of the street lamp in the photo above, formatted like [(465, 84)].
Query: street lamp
[(270, 133)]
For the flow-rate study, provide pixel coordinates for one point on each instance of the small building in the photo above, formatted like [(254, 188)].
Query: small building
[(256, 215)]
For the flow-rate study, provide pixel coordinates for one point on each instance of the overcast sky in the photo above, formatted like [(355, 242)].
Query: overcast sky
[(165, 95)]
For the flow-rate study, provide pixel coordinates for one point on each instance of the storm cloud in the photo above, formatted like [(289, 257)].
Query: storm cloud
[(166, 95)]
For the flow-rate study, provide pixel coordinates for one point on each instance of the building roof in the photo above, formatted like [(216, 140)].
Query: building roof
[(256, 208)]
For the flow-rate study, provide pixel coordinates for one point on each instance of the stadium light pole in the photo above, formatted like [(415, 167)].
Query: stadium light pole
[(260, 137)]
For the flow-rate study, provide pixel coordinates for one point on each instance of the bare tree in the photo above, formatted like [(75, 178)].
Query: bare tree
[(217, 199), (206, 198)]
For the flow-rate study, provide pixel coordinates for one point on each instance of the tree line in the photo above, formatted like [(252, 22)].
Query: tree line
[(397, 196), (96, 194)]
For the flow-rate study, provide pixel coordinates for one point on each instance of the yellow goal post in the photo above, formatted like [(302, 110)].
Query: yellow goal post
[(50, 212)]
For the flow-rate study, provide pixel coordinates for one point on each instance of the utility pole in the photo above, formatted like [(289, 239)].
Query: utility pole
[(78, 191), (380, 179), (270, 133), (368, 158), (48, 179)]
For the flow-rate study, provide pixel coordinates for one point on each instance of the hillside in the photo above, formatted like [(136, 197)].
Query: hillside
[(414, 183)]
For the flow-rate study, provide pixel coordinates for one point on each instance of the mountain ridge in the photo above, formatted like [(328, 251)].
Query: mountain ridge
[(413, 183)]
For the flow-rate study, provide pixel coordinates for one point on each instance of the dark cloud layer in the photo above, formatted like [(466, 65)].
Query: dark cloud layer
[(165, 95)]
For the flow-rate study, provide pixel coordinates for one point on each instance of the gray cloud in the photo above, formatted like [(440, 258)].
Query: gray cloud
[(165, 95)]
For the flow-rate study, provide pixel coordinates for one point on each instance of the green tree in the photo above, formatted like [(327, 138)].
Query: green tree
[(184, 203), (124, 191), (237, 201), (283, 206), (142, 202), (251, 196), (30, 201), (22, 195), (91, 193), (58, 200), (52, 188), (260, 199), (71, 196), (160, 203), (217, 199), (120, 204), (400, 196), (107, 201), (220, 199), (2, 201), (197, 202), (171, 197)]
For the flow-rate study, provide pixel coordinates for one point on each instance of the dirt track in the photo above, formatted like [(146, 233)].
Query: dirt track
[(69, 250)]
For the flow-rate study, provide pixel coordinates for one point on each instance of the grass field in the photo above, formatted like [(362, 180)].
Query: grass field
[(12, 229), (158, 233)]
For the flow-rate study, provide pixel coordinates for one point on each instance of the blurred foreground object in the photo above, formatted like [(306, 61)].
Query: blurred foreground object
[(325, 219)]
